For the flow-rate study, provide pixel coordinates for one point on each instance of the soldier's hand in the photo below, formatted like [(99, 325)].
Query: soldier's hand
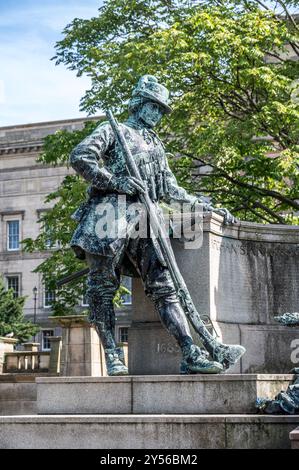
[(129, 185), (228, 217), (205, 204)]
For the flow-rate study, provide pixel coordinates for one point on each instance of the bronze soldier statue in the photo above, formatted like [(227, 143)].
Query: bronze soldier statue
[(100, 160)]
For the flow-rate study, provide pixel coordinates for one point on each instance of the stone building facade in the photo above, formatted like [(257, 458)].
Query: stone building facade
[(24, 184)]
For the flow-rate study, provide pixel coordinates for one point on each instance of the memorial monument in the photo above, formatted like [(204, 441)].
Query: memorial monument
[(126, 165), (241, 276)]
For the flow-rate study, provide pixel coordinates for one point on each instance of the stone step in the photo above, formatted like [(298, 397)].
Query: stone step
[(146, 432), (17, 394), (190, 394)]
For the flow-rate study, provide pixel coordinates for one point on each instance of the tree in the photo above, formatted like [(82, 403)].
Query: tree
[(231, 68), (234, 130), (11, 315)]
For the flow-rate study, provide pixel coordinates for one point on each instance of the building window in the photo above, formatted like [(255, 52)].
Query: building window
[(123, 334), (46, 334), (13, 235), (84, 300), (48, 232), (49, 298), (50, 241), (13, 282), (127, 282)]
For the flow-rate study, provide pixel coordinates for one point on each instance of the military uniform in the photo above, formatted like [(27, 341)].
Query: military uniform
[(98, 158), (100, 161)]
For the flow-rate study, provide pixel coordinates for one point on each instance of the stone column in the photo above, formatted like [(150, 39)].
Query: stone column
[(55, 354), (82, 354), (31, 361), (33, 347), (6, 346)]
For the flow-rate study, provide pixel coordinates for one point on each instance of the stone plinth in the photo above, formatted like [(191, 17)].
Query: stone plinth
[(294, 436), (146, 432), (82, 353), (17, 394), (33, 347), (6, 346), (55, 355), (241, 277), (193, 394)]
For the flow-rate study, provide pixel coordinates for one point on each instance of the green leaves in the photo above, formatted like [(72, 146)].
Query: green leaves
[(230, 66), (11, 316)]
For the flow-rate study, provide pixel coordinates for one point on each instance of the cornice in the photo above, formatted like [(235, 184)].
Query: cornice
[(12, 212), (26, 147), (8, 256)]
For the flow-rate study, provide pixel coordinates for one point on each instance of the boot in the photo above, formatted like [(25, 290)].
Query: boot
[(195, 362), (102, 316), (226, 354), (113, 363), (174, 319)]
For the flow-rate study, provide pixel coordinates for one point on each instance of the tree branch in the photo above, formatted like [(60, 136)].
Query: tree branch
[(229, 113), (269, 211), (272, 54), (259, 215), (242, 184), (289, 16), (294, 47), (262, 5)]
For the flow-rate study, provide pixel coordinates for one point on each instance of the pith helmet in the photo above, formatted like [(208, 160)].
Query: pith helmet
[(149, 88)]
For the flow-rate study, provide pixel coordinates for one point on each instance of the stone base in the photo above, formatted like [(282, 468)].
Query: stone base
[(294, 436), (193, 394), (242, 276), (18, 394), (270, 349), (152, 350), (82, 354), (147, 432)]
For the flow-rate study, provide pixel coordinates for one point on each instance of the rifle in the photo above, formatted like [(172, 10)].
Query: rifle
[(161, 236), (72, 277)]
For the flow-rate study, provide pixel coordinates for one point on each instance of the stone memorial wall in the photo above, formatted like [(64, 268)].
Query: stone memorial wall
[(242, 276)]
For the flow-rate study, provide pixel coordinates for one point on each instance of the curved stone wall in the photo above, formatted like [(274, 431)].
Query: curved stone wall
[(242, 276)]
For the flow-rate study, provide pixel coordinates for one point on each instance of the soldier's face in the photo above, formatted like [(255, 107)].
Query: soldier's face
[(150, 113)]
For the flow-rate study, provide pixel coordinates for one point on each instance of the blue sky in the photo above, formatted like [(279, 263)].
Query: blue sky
[(32, 88)]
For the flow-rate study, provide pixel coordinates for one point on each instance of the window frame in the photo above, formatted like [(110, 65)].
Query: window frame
[(83, 304), (43, 229), (120, 328), (14, 275), (124, 303), (44, 298), (43, 338), (8, 222)]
